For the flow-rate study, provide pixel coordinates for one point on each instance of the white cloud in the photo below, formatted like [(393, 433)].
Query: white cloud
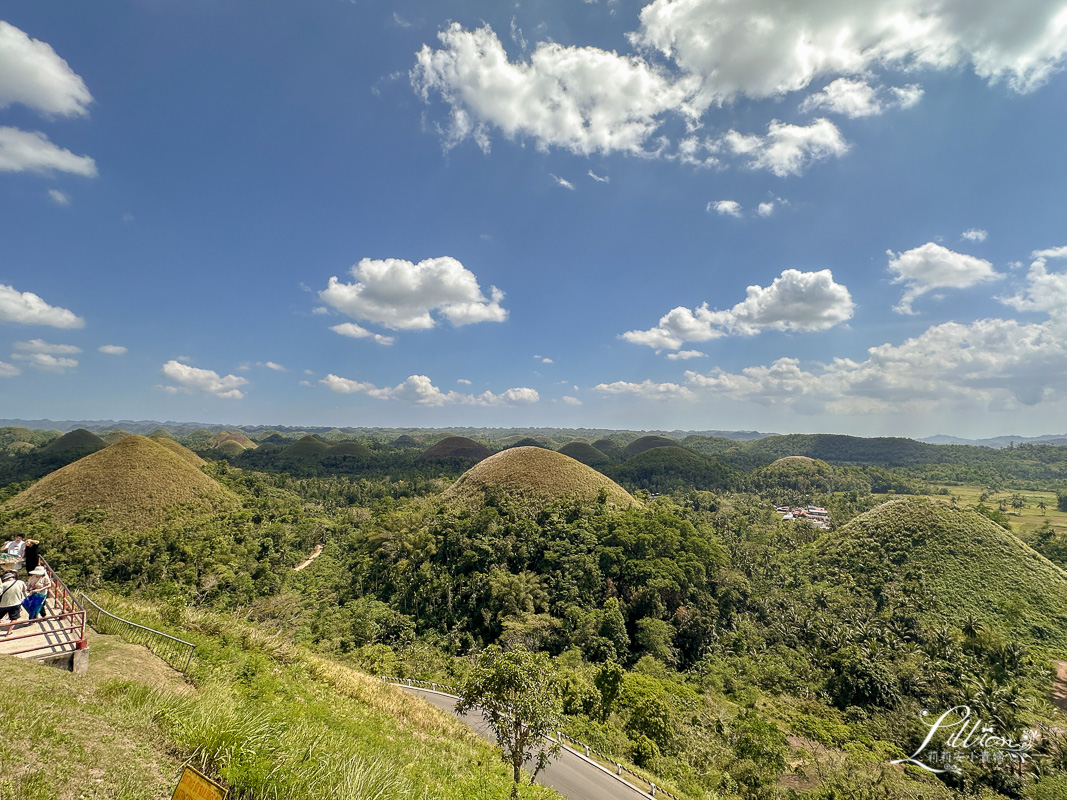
[(46, 361), (767, 48), (932, 266), (1046, 291), (272, 365), (788, 149), (31, 73), (8, 370), (646, 389), (685, 355), (857, 98), (400, 295), (419, 390), (31, 151), (29, 309), (464, 381), (193, 379), (599, 178), (112, 349), (58, 197), (583, 99), (726, 208), (566, 184), (990, 364), (571, 401), (765, 209), (543, 359), (974, 235), (41, 346), (795, 301), (354, 331)]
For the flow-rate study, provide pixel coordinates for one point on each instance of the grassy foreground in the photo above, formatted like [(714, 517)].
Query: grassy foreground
[(269, 719)]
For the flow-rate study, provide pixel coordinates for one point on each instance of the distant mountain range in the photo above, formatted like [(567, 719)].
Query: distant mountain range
[(182, 428)]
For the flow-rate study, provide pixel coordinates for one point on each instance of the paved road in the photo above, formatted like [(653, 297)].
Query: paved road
[(570, 775)]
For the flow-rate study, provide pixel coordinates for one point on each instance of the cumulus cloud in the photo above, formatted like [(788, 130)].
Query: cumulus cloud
[(31, 151), (583, 99), (765, 209), (112, 349), (647, 389), (931, 266), (8, 370), (272, 365), (788, 149), (192, 379), (43, 355), (974, 235), (795, 301), (726, 208), (857, 98), (419, 390), (58, 197), (400, 295), (766, 48), (685, 355), (354, 331), (571, 401), (991, 364), (1045, 291), (29, 309), (32, 74)]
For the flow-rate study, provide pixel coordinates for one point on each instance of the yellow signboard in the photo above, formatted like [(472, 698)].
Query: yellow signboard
[(195, 785)]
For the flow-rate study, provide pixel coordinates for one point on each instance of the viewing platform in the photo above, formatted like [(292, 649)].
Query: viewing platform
[(58, 638)]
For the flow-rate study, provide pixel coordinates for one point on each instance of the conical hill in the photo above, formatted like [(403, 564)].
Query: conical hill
[(180, 450), (133, 482), (80, 440), (534, 477), (457, 447), (954, 562), (584, 452)]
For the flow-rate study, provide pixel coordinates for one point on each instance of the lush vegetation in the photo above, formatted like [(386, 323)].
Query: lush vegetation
[(695, 635)]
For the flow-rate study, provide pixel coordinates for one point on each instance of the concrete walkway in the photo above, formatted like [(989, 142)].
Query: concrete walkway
[(572, 775)]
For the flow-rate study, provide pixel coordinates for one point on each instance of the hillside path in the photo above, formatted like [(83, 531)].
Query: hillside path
[(571, 775), (1059, 686), (314, 554)]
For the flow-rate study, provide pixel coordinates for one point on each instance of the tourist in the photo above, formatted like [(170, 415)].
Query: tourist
[(12, 593), (16, 547), (32, 555), (37, 585)]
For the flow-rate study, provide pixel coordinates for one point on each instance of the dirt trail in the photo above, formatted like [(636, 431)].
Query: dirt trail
[(1059, 686), (314, 554)]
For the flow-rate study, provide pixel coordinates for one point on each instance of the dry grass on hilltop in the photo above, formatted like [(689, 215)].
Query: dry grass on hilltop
[(134, 482), (535, 477)]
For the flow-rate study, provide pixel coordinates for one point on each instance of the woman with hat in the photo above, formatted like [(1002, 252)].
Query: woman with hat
[(12, 593), (37, 585)]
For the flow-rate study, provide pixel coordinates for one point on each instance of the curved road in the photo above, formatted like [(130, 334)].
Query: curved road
[(571, 775)]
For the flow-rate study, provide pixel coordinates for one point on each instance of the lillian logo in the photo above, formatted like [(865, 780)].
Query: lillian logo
[(968, 740)]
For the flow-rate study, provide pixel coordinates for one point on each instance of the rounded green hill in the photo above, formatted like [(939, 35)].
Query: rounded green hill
[(134, 483), (457, 447), (80, 440), (584, 452), (179, 450), (638, 446), (350, 449), (966, 564), (534, 477)]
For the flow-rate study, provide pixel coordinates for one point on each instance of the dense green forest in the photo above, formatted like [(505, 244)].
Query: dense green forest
[(696, 635)]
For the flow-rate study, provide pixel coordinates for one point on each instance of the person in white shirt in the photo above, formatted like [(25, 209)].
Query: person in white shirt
[(12, 593), (16, 547)]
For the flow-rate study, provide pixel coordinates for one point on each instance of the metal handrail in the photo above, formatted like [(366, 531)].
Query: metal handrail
[(163, 652), (654, 790), (64, 600)]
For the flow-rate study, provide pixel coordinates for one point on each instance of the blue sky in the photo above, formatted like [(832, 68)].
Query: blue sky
[(812, 215)]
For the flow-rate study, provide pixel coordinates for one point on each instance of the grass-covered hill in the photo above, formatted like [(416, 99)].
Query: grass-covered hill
[(584, 452), (954, 563), (350, 449), (639, 446), (457, 447), (130, 485), (179, 450), (804, 477), (662, 469), (534, 477), (224, 437), (80, 440)]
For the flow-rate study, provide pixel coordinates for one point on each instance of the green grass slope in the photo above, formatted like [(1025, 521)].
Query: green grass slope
[(534, 477), (133, 483), (954, 562), (662, 469), (79, 440), (645, 443), (584, 452)]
